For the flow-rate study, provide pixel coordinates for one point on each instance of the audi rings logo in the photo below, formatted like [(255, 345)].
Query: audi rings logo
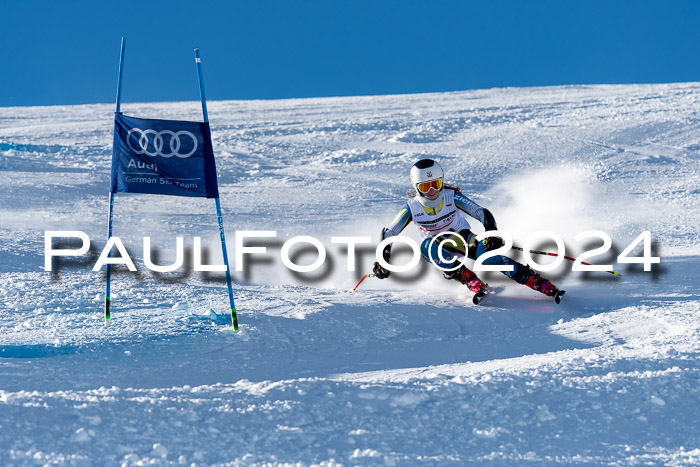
[(151, 142)]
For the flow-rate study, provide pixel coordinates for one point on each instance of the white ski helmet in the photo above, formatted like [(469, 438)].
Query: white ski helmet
[(426, 174)]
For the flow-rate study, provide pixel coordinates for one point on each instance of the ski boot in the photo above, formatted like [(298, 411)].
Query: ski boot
[(536, 282), (467, 277)]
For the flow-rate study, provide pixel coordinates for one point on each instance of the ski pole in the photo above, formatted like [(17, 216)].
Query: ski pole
[(219, 217), (614, 273), (363, 278), (108, 298)]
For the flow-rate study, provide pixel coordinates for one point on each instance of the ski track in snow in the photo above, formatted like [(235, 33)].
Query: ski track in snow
[(399, 372)]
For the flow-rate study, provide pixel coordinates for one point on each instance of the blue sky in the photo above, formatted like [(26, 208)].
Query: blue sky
[(67, 52)]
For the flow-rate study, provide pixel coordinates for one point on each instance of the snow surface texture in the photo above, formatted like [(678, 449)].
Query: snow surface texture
[(401, 371)]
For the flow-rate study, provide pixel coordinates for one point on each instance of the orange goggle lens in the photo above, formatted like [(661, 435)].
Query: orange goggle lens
[(425, 187)]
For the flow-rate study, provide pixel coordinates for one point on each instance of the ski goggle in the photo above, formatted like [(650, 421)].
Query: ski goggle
[(425, 187)]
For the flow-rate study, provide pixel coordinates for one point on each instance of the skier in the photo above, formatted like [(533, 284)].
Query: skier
[(433, 206)]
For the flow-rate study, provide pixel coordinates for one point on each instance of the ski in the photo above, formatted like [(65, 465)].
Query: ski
[(478, 297), (558, 294)]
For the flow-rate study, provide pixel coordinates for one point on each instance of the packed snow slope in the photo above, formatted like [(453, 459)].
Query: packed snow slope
[(404, 371)]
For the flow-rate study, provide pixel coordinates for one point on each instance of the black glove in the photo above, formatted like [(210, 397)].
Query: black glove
[(492, 243), (489, 221), (380, 272)]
